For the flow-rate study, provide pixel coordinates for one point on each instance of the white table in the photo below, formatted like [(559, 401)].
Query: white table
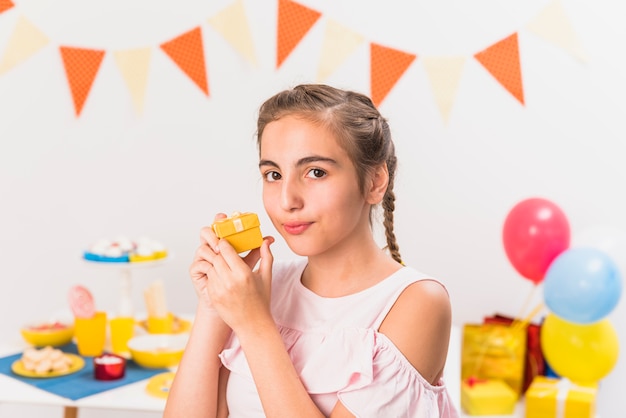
[(131, 397)]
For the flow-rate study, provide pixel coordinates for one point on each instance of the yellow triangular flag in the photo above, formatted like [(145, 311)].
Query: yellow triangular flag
[(339, 42), (25, 40), (232, 24), (444, 74), (134, 65), (552, 25)]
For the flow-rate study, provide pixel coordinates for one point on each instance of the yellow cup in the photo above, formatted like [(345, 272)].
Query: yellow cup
[(160, 325), (90, 334), (122, 330)]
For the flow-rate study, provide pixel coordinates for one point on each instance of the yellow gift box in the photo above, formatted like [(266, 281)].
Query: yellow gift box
[(494, 351), (241, 230), (560, 398), (487, 397)]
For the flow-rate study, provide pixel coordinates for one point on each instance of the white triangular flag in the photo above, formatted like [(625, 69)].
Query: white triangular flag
[(25, 40), (339, 42), (134, 65), (552, 25), (232, 24), (444, 74)]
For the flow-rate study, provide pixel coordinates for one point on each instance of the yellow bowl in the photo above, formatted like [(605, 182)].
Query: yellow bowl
[(157, 351), (54, 334)]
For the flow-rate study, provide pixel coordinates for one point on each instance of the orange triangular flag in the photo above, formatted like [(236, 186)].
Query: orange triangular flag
[(386, 67), (294, 21), (81, 67), (502, 61), (187, 51), (5, 5)]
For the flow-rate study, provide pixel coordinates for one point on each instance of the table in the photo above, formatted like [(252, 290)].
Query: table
[(133, 397)]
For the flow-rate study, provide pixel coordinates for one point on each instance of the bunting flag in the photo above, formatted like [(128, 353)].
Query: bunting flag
[(134, 65), (294, 21), (552, 25), (187, 52), (502, 61), (444, 74), (233, 25), (81, 67), (25, 41), (386, 66), (339, 42), (5, 5)]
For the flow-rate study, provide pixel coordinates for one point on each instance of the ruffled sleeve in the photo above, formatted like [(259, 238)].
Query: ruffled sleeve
[(397, 388)]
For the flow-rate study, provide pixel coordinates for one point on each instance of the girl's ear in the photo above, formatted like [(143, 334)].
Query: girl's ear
[(378, 185)]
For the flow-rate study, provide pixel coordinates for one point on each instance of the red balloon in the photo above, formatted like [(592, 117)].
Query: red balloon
[(535, 232)]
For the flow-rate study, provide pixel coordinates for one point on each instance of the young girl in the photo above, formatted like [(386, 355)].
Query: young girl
[(343, 331)]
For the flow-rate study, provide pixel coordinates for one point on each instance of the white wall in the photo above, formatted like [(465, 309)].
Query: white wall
[(67, 181)]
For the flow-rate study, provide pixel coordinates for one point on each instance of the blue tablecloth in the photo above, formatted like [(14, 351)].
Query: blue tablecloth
[(82, 383)]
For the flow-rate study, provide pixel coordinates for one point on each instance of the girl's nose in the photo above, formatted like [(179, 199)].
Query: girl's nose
[(290, 196)]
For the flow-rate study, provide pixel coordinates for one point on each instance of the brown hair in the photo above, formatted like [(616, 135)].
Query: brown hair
[(355, 122)]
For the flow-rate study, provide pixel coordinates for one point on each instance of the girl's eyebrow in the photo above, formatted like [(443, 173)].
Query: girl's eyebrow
[(301, 161)]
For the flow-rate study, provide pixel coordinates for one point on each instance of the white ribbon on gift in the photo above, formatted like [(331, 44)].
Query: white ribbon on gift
[(238, 224), (563, 387)]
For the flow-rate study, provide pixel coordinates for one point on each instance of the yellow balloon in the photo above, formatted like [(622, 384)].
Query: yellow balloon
[(583, 353)]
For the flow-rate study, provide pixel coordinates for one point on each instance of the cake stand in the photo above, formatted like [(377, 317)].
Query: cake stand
[(125, 271)]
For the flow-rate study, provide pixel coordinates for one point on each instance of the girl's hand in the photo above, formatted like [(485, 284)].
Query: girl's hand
[(200, 265), (240, 294)]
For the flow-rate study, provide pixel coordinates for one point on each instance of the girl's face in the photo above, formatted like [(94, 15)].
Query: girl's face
[(310, 188)]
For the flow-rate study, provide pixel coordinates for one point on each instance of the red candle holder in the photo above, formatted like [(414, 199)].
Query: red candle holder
[(109, 367)]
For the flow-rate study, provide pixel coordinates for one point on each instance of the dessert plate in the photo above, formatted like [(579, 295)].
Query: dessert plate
[(77, 364)]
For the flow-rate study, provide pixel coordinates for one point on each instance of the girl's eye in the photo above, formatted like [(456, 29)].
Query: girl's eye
[(316, 173), (272, 176)]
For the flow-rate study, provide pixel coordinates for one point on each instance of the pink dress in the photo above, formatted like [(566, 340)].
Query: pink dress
[(338, 352)]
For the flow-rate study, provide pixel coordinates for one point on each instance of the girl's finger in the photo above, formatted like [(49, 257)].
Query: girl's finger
[(230, 256), (267, 259)]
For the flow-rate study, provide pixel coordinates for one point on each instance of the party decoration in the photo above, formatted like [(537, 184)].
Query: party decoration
[(5, 5), (134, 65), (81, 67), (502, 61), (535, 232), (582, 285), (444, 74), (581, 353), (294, 21), (386, 67), (187, 51), (25, 41), (232, 24), (339, 42), (552, 25)]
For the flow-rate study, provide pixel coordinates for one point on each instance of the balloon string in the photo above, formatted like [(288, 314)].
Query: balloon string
[(527, 302)]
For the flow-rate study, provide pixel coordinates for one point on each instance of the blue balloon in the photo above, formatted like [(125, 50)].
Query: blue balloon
[(582, 285)]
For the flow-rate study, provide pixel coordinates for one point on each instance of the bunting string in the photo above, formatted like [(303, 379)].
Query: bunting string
[(386, 65)]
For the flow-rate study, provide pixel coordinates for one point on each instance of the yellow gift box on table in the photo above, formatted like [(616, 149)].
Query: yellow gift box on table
[(241, 230), (487, 397), (559, 398)]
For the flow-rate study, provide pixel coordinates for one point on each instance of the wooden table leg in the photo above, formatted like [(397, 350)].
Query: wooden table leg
[(70, 412)]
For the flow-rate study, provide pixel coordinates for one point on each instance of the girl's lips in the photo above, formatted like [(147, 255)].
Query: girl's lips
[(296, 228)]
